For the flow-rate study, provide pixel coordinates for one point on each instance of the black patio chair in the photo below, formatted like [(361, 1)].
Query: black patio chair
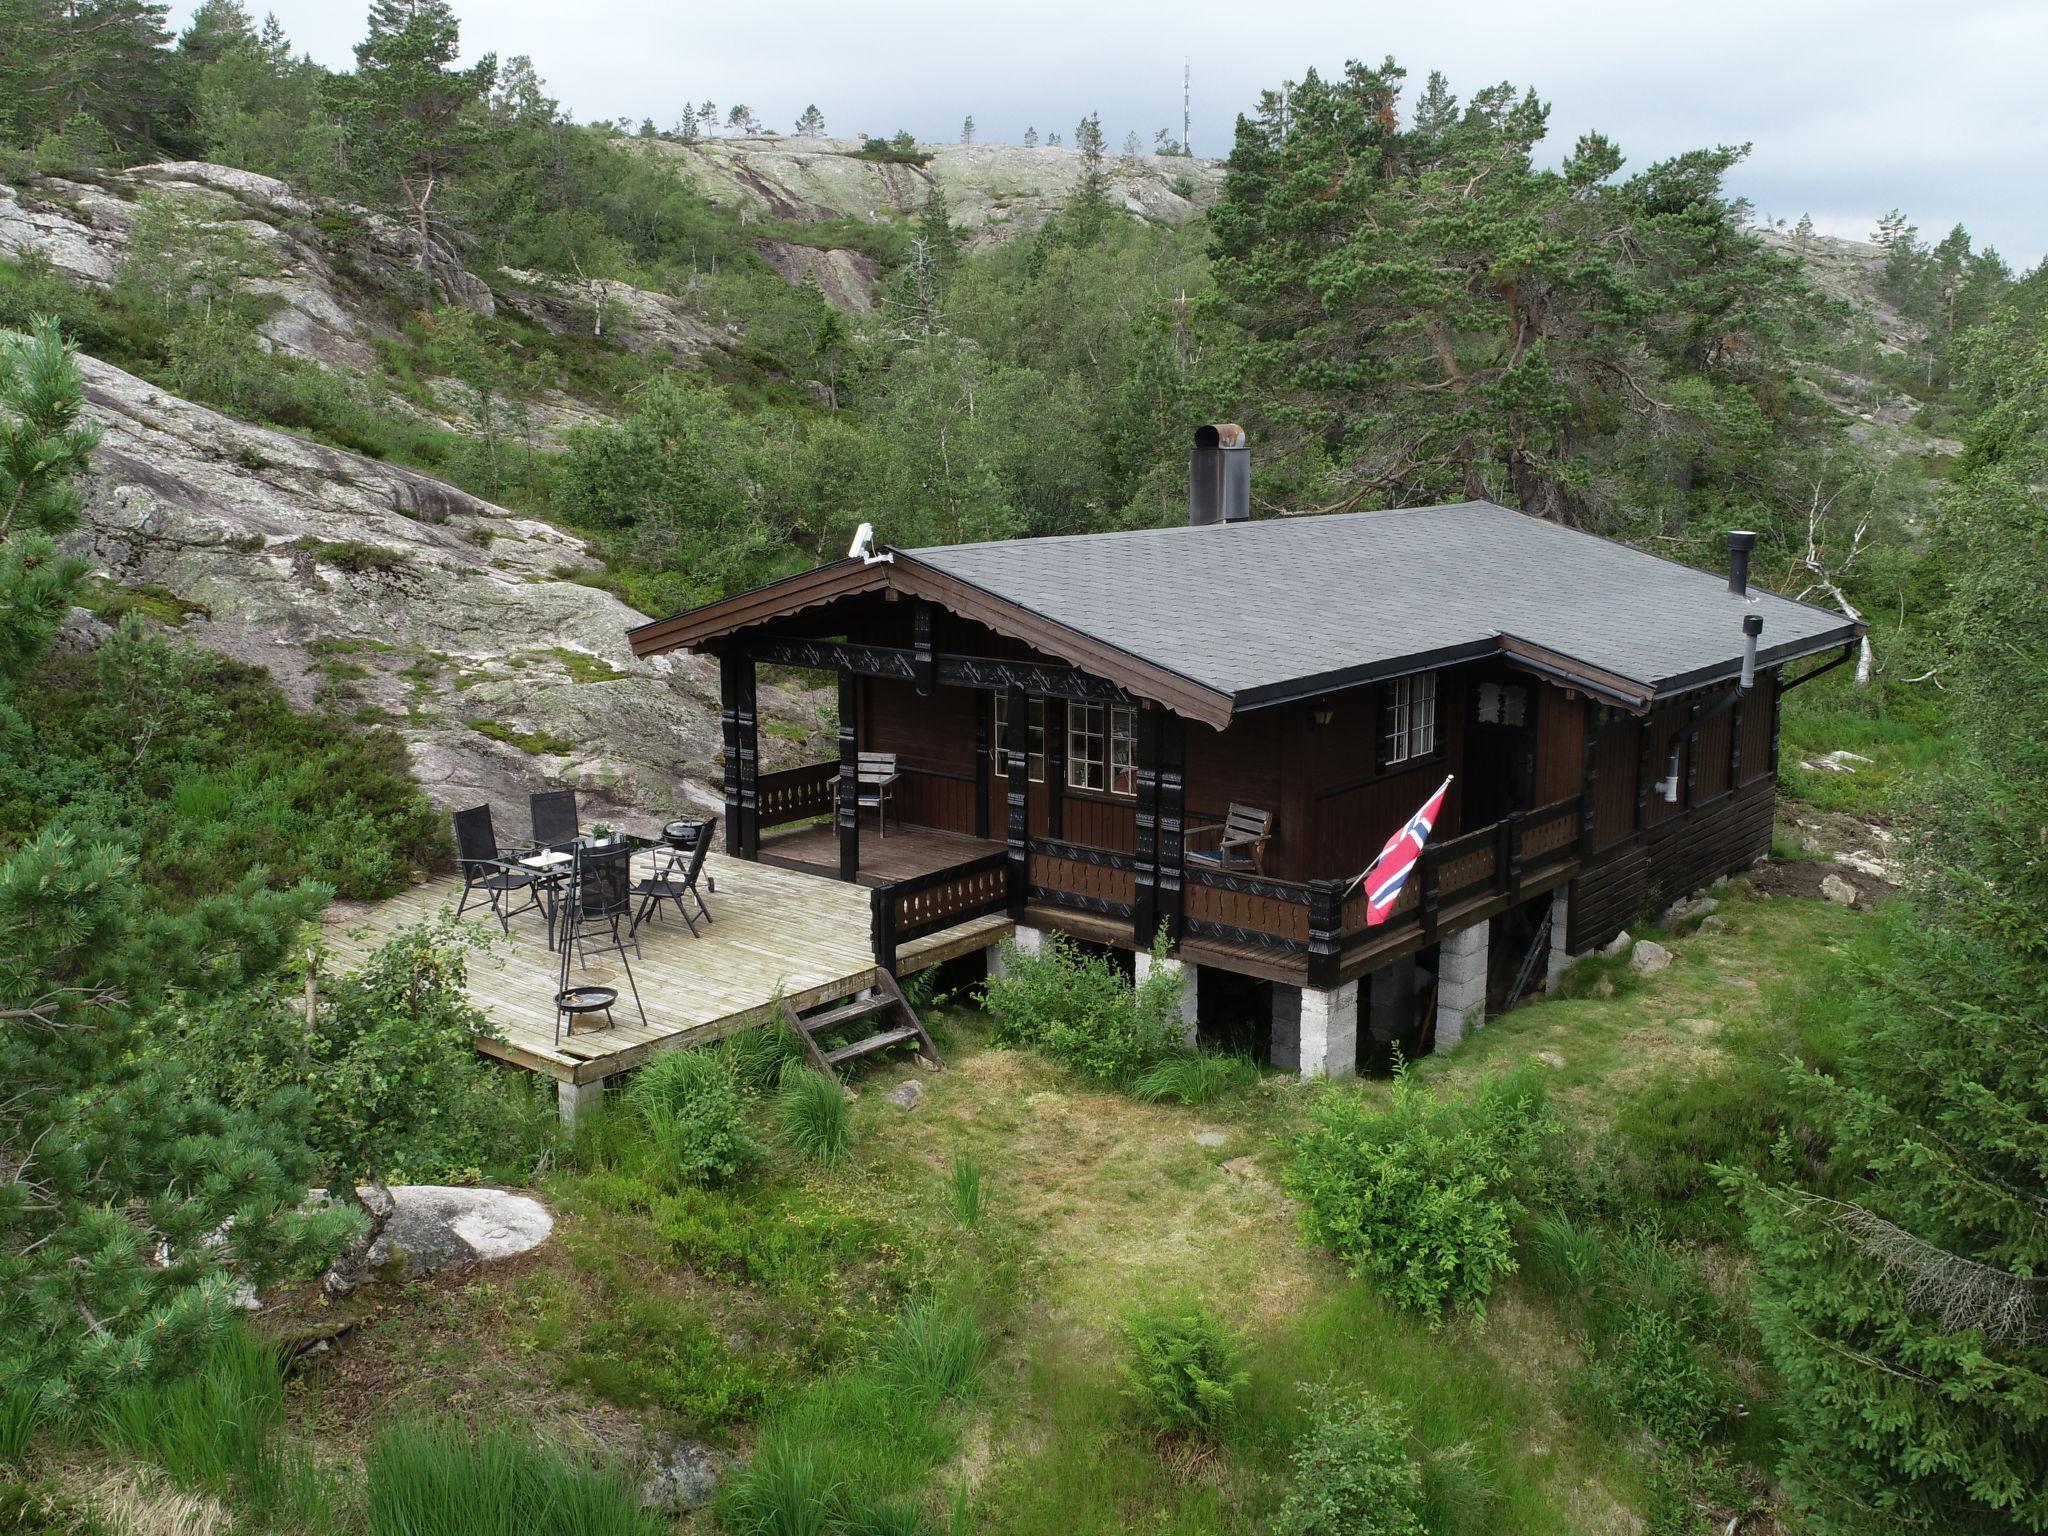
[(677, 880), (597, 904), (485, 868), (554, 818)]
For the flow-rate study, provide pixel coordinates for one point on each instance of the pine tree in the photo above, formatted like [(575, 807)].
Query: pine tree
[(1905, 1306), (1031, 138), (411, 113), (44, 449), (741, 120), (1132, 148), (707, 116), (812, 124), (1802, 234), (217, 28), (686, 125), (967, 129)]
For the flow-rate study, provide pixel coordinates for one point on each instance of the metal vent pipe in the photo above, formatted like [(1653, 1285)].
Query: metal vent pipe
[(1740, 543), (1219, 475)]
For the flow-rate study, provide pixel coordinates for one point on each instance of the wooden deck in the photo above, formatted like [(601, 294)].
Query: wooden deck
[(775, 933), (904, 854)]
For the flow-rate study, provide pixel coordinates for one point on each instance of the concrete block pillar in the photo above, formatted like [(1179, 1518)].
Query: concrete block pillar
[(574, 1099), (1283, 1049), (1029, 941), (1329, 1031), (1190, 992), (1560, 928), (1460, 985)]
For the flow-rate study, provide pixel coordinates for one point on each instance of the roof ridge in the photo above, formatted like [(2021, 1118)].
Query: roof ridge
[(1284, 520)]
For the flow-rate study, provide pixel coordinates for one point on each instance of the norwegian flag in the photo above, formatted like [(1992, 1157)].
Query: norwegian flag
[(1385, 875)]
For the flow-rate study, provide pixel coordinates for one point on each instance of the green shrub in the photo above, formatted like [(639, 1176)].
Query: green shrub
[(1197, 1079), (1184, 1368), (811, 1118), (1422, 1194), (1079, 1010), (434, 1478), (934, 1352), (1353, 1475), (696, 1118)]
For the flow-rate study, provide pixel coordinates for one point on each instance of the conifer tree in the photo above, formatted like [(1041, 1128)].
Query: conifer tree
[(411, 113), (1906, 1306), (1031, 138), (812, 124), (967, 129)]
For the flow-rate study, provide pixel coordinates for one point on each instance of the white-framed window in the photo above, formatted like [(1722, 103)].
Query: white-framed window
[(1102, 748), (1500, 704), (1411, 717), (1034, 746)]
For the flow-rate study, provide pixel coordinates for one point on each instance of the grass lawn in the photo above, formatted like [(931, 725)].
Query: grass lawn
[(709, 1313)]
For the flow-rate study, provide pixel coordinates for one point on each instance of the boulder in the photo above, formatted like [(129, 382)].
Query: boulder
[(907, 1094), (1688, 910), (681, 1475), (433, 1227), (1618, 944), (1834, 888), (1649, 957), (1713, 924), (80, 632)]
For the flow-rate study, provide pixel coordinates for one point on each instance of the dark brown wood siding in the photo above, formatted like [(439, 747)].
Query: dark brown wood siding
[(1560, 743), (933, 739)]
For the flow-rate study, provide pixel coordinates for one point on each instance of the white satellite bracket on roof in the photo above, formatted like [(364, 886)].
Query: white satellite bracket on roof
[(863, 540)]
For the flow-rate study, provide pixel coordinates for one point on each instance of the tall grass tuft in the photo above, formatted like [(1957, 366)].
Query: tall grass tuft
[(21, 1415), (1194, 1079), (220, 1431), (1563, 1258), (964, 1191), (934, 1353), (781, 1493), (811, 1117), (890, 1517), (759, 1057), (434, 1478)]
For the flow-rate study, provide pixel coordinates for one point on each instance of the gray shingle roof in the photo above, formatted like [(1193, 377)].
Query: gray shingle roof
[(1270, 609)]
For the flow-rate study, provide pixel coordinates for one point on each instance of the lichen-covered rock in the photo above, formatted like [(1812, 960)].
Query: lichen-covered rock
[(1834, 888), (998, 192), (1618, 944), (845, 278), (371, 587), (1648, 957)]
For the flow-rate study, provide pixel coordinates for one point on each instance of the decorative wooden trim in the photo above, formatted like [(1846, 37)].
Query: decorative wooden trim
[(1325, 931), (1017, 793), (1589, 774), (1172, 826), (1075, 901), (1081, 853), (1247, 885), (984, 711), (1612, 686), (738, 724), (1256, 938), (922, 663), (849, 781)]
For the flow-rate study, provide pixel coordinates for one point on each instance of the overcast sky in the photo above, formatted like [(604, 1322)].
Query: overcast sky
[(1853, 106)]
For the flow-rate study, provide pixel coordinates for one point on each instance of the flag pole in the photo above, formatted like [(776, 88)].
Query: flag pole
[(1363, 874)]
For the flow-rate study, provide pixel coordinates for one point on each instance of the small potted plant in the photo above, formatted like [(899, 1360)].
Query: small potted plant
[(600, 834)]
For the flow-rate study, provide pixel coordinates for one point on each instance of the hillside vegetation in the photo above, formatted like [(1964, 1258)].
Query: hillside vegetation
[(347, 419)]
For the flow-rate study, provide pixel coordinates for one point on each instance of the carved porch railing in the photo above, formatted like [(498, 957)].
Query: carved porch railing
[(910, 909), (797, 794)]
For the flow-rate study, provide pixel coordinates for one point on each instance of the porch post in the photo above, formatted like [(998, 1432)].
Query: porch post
[(1017, 771), (984, 710), (1172, 799), (1055, 767), (849, 781), (742, 755)]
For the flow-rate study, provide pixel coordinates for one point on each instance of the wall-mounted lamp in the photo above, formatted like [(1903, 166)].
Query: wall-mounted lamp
[(1322, 715)]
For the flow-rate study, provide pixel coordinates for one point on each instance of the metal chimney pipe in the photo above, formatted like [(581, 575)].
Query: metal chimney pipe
[(1219, 475), (1752, 626), (1740, 543)]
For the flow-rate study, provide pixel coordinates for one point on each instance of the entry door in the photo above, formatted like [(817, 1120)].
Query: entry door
[(1500, 751)]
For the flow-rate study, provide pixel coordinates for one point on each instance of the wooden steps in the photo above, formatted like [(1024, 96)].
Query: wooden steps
[(886, 1004)]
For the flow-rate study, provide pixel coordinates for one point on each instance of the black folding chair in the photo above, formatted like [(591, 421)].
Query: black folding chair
[(485, 868), (677, 881), (554, 818), (598, 905)]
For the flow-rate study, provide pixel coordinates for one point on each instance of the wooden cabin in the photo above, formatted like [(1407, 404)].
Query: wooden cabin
[(1064, 714)]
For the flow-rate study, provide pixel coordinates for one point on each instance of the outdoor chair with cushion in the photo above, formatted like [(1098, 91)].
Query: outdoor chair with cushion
[(486, 868), (875, 778), (676, 878), (1241, 839), (554, 818)]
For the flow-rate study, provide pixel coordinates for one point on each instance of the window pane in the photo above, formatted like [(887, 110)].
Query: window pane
[(1084, 746), (1123, 778)]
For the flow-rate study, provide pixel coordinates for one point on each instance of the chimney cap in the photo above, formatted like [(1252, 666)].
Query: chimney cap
[(1222, 434), (1741, 538)]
